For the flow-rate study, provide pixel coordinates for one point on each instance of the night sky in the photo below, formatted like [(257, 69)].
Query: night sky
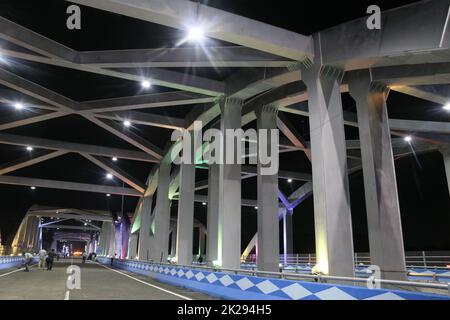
[(422, 185)]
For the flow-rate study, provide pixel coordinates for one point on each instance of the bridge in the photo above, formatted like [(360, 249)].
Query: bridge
[(178, 231)]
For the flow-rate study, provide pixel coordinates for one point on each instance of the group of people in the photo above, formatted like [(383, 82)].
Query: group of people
[(46, 259)]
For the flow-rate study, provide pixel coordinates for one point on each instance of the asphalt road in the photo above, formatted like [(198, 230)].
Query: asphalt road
[(97, 283)]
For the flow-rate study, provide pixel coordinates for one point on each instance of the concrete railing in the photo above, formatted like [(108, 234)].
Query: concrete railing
[(7, 262), (424, 259), (250, 284)]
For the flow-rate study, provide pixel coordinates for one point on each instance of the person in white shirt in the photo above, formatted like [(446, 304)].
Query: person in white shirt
[(42, 254), (28, 258)]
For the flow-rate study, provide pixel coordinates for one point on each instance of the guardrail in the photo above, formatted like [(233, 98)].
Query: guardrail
[(413, 259), (321, 279), (10, 261)]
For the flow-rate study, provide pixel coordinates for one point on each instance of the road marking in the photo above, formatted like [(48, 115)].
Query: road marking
[(66, 297), (146, 283), (5, 274)]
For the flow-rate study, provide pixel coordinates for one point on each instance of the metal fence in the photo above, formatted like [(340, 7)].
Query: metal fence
[(439, 288), (421, 259)]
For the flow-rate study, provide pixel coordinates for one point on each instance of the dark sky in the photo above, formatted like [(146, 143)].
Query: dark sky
[(422, 185)]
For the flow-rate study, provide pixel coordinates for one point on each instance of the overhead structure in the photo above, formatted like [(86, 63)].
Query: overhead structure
[(277, 73)]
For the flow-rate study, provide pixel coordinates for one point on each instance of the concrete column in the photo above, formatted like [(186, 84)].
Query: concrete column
[(229, 230), (144, 231), (132, 246), (112, 239), (383, 210), (21, 236), (103, 239), (288, 241), (446, 157), (32, 227), (105, 236), (201, 241), (54, 245), (34, 233), (173, 246), (212, 220), (333, 227), (26, 233), (162, 214), (185, 222), (268, 221)]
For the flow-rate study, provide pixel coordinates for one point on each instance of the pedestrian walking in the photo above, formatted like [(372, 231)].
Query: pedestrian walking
[(112, 259), (50, 259), (42, 254)]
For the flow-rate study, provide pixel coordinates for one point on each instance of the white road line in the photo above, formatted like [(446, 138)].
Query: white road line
[(66, 297), (146, 283), (5, 274)]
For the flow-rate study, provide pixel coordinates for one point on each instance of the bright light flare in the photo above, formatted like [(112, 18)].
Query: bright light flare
[(408, 139), (18, 106), (446, 107), (29, 148), (127, 123), (146, 84), (195, 34), (109, 176), (114, 159)]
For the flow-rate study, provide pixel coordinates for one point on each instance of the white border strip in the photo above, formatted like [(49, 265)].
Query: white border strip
[(146, 283)]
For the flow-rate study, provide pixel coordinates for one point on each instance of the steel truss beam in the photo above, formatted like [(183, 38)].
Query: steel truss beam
[(64, 185)]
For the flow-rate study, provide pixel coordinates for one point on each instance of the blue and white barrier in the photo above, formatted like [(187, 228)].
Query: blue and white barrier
[(242, 287), (7, 262)]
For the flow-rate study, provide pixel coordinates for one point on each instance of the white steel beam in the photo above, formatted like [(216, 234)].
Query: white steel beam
[(217, 24), (117, 172), (64, 185), (41, 143), (23, 163)]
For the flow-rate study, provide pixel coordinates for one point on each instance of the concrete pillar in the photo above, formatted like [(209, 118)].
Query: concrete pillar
[(144, 231), (288, 241), (229, 229), (132, 246), (173, 246), (212, 220), (185, 222), (201, 241), (54, 245), (26, 233), (268, 221), (333, 227), (19, 243), (102, 239), (105, 238), (34, 233), (383, 210), (446, 157), (112, 239), (162, 214)]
